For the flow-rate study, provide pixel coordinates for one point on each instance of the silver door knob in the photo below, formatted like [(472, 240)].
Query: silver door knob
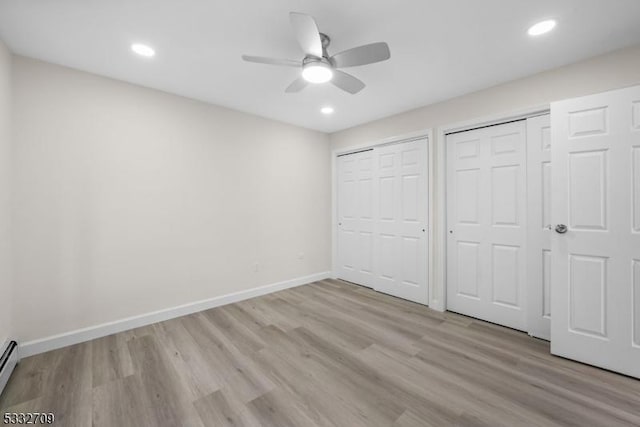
[(561, 228)]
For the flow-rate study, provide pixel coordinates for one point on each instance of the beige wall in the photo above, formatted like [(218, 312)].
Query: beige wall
[(129, 200), (606, 72), (5, 195)]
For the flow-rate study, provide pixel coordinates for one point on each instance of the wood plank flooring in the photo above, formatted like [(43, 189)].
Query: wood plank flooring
[(325, 354)]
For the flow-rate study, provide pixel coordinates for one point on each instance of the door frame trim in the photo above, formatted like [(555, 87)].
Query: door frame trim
[(398, 139), (439, 254)]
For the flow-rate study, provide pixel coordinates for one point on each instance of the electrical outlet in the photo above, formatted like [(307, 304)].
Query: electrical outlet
[(301, 255)]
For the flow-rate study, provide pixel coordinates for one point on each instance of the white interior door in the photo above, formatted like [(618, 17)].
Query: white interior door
[(382, 219), (596, 264), (486, 221), (401, 211), (539, 226), (355, 217)]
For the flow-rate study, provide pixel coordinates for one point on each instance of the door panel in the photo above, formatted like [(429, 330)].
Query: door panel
[(486, 216), (595, 263), (635, 169), (467, 196), (538, 226), (505, 274), (546, 195), (355, 217), (401, 227), (467, 272), (587, 295), (546, 291), (366, 252), (588, 190), (504, 192), (410, 260), (635, 280)]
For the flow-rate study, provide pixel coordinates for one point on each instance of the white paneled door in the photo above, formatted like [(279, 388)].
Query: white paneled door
[(539, 226), (596, 217), (401, 214), (382, 219), (356, 218), (486, 223)]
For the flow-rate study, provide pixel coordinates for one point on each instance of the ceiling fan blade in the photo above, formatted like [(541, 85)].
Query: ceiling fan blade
[(307, 33), (347, 82), (272, 61), (362, 55), (297, 85)]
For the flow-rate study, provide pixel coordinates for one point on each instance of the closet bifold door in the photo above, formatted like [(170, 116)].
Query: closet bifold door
[(487, 223), (595, 270), (355, 218), (382, 239), (401, 206), (539, 226)]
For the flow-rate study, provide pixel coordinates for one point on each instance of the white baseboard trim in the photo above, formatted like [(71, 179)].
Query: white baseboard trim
[(53, 342)]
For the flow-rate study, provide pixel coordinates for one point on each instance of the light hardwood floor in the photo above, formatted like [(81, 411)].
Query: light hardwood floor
[(325, 354)]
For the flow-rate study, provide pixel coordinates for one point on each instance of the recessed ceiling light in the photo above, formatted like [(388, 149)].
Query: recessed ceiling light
[(143, 50), (326, 110), (317, 72), (542, 27)]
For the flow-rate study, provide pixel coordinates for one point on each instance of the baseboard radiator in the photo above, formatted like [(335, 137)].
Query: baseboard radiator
[(8, 361)]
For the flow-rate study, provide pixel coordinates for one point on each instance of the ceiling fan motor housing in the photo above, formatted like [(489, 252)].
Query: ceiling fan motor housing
[(313, 60)]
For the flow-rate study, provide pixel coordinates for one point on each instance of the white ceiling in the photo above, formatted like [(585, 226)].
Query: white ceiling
[(439, 48)]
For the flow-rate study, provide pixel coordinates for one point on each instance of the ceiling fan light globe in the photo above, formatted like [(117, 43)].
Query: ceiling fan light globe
[(317, 73)]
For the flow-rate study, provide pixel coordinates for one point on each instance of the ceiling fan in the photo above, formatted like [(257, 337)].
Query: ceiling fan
[(317, 66)]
